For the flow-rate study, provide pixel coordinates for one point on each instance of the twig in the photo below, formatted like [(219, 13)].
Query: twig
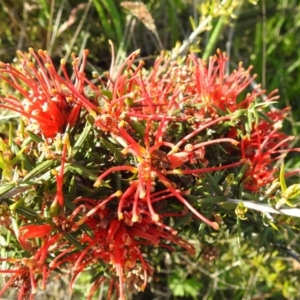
[(191, 39), (265, 208)]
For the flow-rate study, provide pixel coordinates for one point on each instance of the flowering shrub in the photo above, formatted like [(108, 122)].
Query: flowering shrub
[(98, 174)]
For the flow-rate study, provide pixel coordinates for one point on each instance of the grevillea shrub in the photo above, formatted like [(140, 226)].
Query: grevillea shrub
[(102, 170)]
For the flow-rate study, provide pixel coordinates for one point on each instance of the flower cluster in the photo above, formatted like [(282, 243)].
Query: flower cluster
[(97, 175)]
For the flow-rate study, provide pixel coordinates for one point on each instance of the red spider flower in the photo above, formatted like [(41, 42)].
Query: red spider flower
[(49, 102), (118, 243), (265, 145), (152, 164), (130, 95), (26, 272), (20, 277), (213, 90)]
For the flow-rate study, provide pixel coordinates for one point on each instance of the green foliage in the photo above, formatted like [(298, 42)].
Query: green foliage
[(187, 287), (110, 19)]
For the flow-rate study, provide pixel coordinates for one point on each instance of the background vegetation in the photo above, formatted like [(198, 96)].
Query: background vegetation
[(265, 35)]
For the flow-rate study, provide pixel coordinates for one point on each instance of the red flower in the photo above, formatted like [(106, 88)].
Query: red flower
[(152, 164), (117, 243), (265, 145), (216, 90), (26, 272), (49, 102)]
